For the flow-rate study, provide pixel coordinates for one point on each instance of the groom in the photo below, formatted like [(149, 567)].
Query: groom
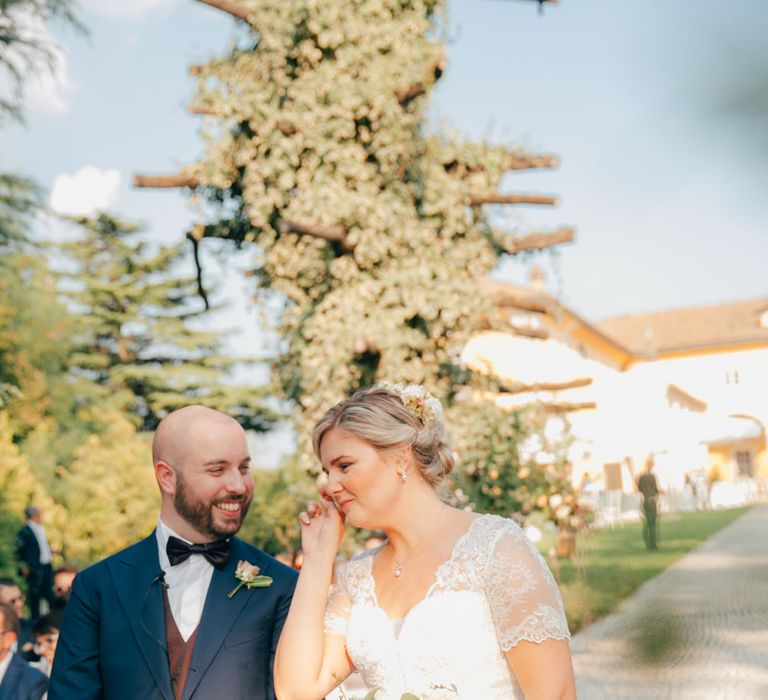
[(155, 621)]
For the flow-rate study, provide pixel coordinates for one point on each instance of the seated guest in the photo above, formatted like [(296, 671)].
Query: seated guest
[(45, 632), (62, 584), (17, 680), (11, 594)]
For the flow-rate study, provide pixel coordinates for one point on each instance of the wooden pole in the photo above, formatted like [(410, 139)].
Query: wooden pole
[(498, 198), (231, 7), (165, 181), (540, 241), (329, 233), (547, 386), (529, 162)]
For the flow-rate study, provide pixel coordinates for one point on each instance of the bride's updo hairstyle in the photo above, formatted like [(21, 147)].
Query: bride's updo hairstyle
[(389, 417)]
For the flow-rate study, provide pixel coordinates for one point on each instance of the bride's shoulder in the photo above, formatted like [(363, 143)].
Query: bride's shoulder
[(360, 561), (497, 526)]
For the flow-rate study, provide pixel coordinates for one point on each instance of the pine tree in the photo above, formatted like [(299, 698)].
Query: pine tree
[(371, 229), (133, 334)]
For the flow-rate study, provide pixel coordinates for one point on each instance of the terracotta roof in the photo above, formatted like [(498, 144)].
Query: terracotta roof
[(694, 327)]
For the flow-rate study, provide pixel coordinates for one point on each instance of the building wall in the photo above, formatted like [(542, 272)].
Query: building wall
[(636, 411)]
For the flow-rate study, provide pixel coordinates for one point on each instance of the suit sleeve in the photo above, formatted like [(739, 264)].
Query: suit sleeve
[(76, 669), (281, 613), (38, 688)]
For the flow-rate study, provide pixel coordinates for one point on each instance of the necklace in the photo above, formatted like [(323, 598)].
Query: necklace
[(399, 564)]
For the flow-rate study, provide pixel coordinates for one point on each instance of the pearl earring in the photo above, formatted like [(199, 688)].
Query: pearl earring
[(403, 474)]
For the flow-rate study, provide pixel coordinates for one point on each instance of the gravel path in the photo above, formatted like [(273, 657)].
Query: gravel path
[(698, 630)]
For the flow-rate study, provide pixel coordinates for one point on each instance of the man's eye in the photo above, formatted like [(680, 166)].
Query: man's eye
[(245, 468), (215, 470)]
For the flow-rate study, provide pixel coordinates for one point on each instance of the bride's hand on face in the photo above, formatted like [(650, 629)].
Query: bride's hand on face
[(322, 527)]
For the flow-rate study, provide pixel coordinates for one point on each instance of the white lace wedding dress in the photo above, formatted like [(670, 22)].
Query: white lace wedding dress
[(493, 592)]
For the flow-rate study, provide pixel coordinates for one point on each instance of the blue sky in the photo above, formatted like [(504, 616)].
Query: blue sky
[(665, 189)]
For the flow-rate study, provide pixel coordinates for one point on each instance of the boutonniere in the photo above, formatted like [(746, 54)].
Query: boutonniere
[(248, 575)]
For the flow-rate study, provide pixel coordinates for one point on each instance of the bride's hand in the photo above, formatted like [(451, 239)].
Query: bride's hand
[(322, 527)]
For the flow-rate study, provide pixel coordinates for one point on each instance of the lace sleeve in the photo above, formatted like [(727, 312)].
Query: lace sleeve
[(522, 594), (338, 605)]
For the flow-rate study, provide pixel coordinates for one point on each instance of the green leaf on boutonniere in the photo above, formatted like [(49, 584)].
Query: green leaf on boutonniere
[(248, 575)]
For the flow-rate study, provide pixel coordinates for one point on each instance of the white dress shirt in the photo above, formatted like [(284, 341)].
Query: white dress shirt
[(188, 583), (4, 665), (42, 541)]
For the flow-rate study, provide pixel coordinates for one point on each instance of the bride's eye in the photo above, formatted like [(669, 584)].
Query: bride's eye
[(343, 466)]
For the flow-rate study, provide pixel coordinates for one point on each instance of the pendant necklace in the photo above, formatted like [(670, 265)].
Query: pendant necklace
[(399, 564)]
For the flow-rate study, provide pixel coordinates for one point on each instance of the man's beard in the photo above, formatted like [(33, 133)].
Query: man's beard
[(200, 515)]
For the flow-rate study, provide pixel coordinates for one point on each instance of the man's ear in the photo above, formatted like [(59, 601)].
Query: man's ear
[(166, 477)]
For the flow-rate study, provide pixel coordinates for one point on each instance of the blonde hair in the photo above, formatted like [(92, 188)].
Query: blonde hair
[(378, 416)]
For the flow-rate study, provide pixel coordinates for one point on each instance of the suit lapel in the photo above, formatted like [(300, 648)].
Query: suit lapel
[(135, 577), (219, 614)]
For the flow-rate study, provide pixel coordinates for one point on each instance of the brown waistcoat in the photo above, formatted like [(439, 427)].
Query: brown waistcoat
[(179, 651)]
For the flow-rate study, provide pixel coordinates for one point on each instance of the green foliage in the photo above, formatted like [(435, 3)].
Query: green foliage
[(498, 453), (612, 564), (133, 331), (24, 48), (363, 223), (109, 492), (19, 487), (20, 200), (279, 496), (33, 343)]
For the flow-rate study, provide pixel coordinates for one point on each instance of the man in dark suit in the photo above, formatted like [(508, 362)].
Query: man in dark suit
[(34, 556), (17, 680), (156, 620)]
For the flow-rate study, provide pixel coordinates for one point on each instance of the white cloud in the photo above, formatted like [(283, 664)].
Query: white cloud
[(85, 192), (119, 9)]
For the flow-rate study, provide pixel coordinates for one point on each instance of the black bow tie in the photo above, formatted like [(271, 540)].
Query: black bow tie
[(217, 553)]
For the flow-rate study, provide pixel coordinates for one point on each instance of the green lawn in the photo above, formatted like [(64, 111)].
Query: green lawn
[(611, 564)]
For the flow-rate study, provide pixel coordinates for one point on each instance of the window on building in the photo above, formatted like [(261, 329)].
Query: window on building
[(744, 463)]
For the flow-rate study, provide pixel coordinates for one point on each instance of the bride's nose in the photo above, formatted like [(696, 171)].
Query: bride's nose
[(334, 485)]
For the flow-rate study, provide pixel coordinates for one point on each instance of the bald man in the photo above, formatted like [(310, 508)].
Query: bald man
[(158, 620)]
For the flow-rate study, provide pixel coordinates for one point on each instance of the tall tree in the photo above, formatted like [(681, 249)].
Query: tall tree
[(374, 232), (25, 48), (134, 335), (20, 487), (109, 491)]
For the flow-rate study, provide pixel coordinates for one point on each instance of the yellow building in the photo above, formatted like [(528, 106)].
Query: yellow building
[(689, 386)]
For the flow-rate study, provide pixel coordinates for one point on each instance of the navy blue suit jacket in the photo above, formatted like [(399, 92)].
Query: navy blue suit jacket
[(21, 682), (113, 643)]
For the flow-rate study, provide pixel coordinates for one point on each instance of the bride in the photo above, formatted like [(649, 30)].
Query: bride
[(453, 605)]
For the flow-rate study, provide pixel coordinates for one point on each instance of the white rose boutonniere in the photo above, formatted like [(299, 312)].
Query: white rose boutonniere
[(248, 575)]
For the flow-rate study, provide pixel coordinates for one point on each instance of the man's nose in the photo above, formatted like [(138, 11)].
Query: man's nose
[(237, 482)]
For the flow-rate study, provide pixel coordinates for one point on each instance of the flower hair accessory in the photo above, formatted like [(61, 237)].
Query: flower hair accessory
[(417, 400)]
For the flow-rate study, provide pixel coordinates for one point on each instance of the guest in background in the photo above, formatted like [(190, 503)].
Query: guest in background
[(649, 488), (45, 632), (62, 584), (10, 594), (34, 556), (17, 680)]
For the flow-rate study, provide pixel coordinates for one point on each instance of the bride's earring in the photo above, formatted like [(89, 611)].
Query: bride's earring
[(403, 474)]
